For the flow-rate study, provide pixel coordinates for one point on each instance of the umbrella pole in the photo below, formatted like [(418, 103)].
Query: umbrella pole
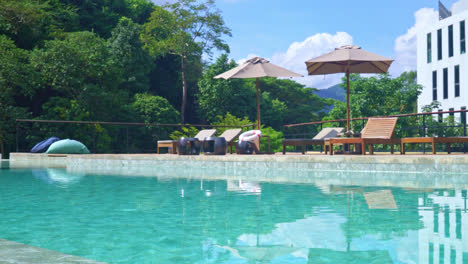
[(258, 107), (347, 100)]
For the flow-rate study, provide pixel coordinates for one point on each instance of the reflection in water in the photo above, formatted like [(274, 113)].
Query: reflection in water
[(386, 231), (444, 238), (191, 220), (242, 186), (60, 176)]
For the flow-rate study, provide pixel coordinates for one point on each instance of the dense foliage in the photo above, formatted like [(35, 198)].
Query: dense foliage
[(135, 61)]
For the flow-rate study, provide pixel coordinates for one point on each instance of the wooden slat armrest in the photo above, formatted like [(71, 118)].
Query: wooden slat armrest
[(417, 140), (345, 140)]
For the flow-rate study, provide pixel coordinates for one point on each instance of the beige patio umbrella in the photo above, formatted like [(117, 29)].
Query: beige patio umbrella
[(348, 59), (256, 68)]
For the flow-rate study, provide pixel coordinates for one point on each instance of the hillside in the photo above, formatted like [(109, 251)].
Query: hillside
[(335, 92)]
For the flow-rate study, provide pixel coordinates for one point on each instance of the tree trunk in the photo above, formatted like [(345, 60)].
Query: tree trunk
[(184, 93)]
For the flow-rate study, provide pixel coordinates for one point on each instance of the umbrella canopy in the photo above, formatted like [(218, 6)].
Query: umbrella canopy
[(348, 59), (256, 68)]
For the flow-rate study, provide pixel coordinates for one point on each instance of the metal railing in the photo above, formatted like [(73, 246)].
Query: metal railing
[(134, 137), (446, 123)]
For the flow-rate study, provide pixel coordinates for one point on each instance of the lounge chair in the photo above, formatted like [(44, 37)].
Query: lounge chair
[(201, 135), (230, 135), (319, 139), (376, 131)]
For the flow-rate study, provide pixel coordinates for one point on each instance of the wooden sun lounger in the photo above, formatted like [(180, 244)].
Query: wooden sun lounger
[(433, 141), (230, 135), (319, 139), (376, 131)]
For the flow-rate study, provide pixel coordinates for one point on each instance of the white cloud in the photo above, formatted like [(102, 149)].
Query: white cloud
[(405, 45), (459, 6), (298, 52)]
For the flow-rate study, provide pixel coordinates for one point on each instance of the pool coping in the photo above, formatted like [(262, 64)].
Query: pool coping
[(63, 160)]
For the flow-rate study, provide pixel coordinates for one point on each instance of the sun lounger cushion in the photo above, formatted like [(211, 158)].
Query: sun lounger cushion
[(42, 146), (329, 132), (67, 146)]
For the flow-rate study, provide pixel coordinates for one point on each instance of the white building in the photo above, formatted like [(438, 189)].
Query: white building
[(442, 62)]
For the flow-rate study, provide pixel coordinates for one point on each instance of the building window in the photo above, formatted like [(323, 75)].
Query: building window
[(434, 86), (439, 44), (462, 38), (457, 81), (441, 118), (445, 85), (450, 39), (429, 48), (451, 109)]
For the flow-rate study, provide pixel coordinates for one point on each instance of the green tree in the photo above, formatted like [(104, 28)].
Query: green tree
[(280, 100), (139, 10), (127, 53), (219, 97), (155, 109), (301, 103), (29, 22), (98, 16), (79, 68), (379, 96), (229, 120), (16, 86), (273, 111), (189, 29)]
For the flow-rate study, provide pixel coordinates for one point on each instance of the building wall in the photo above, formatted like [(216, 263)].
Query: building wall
[(425, 69)]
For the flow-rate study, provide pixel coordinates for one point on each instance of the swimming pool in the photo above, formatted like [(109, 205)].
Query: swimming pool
[(236, 219)]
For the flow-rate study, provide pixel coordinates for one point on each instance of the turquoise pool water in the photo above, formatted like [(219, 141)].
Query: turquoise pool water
[(118, 219)]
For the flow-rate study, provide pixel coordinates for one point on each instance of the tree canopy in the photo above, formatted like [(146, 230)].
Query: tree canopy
[(135, 61)]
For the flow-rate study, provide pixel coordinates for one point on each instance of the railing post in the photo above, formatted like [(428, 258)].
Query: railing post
[(127, 139), (464, 133), (17, 131), (424, 133), (321, 145), (94, 139)]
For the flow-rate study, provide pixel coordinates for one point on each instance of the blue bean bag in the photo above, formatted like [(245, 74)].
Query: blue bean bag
[(42, 146), (67, 146)]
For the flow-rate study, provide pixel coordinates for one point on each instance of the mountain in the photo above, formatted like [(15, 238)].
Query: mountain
[(335, 92)]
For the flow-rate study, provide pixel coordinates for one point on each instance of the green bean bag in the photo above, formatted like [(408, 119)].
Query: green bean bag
[(67, 146)]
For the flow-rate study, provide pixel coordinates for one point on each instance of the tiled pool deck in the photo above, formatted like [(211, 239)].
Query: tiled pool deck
[(16, 253)]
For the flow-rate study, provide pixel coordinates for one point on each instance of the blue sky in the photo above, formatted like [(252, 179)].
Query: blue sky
[(291, 32), (264, 27)]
